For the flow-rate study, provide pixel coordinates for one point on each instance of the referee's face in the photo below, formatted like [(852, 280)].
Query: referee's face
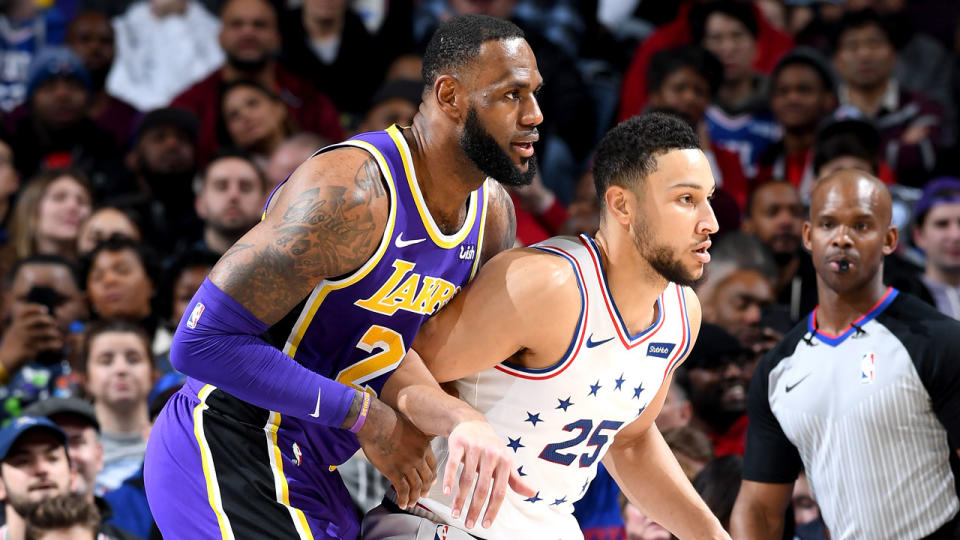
[(849, 231)]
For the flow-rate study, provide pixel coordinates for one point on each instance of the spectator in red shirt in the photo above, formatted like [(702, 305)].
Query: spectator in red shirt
[(771, 45), (801, 95), (250, 39)]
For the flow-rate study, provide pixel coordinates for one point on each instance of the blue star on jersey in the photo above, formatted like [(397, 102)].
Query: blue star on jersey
[(585, 484), (593, 388), (642, 409), (559, 501), (533, 418), (564, 403), (619, 382), (520, 471), (637, 391), (535, 498), (515, 444)]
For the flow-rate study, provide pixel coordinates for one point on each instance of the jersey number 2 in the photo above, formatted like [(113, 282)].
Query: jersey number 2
[(391, 351)]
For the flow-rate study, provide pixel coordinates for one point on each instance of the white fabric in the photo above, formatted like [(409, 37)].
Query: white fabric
[(158, 58), (562, 420)]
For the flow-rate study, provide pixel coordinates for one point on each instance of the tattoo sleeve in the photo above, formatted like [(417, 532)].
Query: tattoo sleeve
[(501, 230), (323, 231)]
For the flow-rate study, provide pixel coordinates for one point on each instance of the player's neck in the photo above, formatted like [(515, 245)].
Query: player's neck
[(635, 298), (837, 310), (444, 182)]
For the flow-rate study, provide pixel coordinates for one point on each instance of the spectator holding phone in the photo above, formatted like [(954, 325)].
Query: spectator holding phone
[(44, 308)]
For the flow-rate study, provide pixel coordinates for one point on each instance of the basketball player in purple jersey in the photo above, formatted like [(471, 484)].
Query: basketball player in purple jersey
[(568, 350), (297, 328)]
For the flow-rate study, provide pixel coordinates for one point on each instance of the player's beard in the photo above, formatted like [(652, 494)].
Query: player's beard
[(486, 154), (661, 258)]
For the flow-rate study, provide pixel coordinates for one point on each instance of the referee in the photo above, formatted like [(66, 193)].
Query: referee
[(864, 394)]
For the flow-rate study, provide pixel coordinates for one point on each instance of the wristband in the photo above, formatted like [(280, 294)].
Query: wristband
[(362, 417)]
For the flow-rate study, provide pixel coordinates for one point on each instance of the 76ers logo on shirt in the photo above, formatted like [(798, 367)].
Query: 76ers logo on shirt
[(868, 368), (195, 316)]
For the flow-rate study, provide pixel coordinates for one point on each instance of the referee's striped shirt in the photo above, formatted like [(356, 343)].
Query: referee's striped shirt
[(872, 415)]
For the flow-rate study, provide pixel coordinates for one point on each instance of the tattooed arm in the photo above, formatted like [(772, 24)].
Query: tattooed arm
[(501, 227), (327, 221)]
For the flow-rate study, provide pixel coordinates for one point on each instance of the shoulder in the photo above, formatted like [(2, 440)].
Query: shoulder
[(694, 311), (501, 221), (784, 348), (920, 326), (538, 271)]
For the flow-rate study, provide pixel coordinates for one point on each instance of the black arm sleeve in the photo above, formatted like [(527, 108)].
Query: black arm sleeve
[(770, 457)]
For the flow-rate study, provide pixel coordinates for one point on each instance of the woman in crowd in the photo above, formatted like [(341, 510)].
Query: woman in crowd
[(48, 214), (103, 223), (255, 118)]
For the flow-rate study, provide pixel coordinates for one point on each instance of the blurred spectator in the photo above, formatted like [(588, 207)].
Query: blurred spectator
[(45, 307), (9, 184), (738, 119), (739, 290), (848, 143), (640, 527), (718, 484), (394, 103), (406, 66), (716, 377), (584, 211), (684, 81), (63, 517), (567, 134), (163, 163), (33, 467), (121, 277), (48, 214), (325, 41), (540, 214), (256, 119), (691, 447), (677, 409), (910, 124), (289, 155), (775, 216), (806, 513), (230, 199), (25, 29), (118, 371), (771, 44), (801, 95), (53, 128), (103, 223), (179, 283), (91, 37), (163, 47), (78, 420), (937, 233), (249, 38)]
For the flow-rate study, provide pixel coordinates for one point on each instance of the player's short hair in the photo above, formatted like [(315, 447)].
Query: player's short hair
[(701, 61), (62, 512), (627, 154), (457, 42)]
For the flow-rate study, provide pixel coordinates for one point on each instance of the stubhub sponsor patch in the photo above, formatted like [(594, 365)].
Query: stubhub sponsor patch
[(660, 350)]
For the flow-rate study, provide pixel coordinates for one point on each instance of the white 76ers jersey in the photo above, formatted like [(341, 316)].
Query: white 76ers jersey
[(560, 421)]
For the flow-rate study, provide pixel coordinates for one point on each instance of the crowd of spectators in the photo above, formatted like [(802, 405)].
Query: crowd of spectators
[(140, 139)]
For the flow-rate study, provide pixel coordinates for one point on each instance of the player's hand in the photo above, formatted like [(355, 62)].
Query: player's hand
[(398, 450), (475, 444)]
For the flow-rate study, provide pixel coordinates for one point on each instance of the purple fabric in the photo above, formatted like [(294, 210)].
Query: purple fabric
[(216, 342)]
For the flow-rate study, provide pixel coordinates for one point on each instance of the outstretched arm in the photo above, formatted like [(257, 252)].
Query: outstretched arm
[(327, 221), (759, 510)]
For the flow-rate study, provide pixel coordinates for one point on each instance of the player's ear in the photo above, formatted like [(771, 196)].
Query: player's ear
[(617, 200), (890, 240), (447, 90)]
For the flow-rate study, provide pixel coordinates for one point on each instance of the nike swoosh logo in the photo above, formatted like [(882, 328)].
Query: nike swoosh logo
[(316, 413), (401, 243), (794, 385), (591, 343)]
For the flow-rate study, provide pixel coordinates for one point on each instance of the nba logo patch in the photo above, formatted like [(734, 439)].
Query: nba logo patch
[(868, 368), (195, 316), (442, 532)]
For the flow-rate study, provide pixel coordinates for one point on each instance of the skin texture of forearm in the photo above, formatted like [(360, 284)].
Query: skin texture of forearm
[(653, 481), (752, 524), (759, 510)]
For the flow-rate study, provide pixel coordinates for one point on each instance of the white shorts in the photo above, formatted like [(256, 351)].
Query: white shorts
[(382, 524)]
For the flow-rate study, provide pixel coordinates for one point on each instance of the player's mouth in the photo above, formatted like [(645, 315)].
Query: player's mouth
[(700, 252), (524, 148)]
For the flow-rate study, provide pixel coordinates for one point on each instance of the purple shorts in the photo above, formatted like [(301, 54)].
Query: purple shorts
[(217, 467)]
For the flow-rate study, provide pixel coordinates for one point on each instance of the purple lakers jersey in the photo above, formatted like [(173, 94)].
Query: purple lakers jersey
[(355, 329)]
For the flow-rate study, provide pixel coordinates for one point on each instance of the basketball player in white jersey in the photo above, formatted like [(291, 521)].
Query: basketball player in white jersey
[(567, 349)]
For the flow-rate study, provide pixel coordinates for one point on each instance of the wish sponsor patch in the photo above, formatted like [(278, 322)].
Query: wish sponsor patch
[(660, 350)]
